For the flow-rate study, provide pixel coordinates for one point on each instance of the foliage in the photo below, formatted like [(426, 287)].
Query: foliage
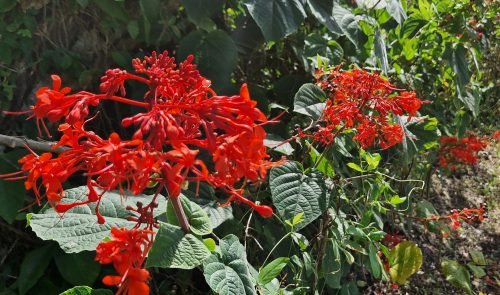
[(358, 95)]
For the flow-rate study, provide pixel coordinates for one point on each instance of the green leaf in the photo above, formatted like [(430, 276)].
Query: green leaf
[(323, 165), (276, 18), (426, 209), (33, 267), (355, 166), (7, 5), (215, 54), (309, 101), (405, 260), (375, 263), (197, 10), (458, 62), (85, 290), (322, 11), (471, 99), (457, 275), (396, 10), (372, 160), (425, 9), (113, 8), (348, 23), (196, 216), (77, 230), (331, 265), (272, 270), (210, 243), (477, 257), (396, 200), (323, 48), (412, 25), (381, 51), (150, 9), (294, 192), (226, 271), (477, 271), (273, 141), (133, 29), (12, 193), (173, 248), (78, 268), (349, 289)]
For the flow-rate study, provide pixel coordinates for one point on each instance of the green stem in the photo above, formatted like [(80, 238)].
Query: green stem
[(274, 248)]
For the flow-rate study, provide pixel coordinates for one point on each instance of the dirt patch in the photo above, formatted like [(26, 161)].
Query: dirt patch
[(468, 187)]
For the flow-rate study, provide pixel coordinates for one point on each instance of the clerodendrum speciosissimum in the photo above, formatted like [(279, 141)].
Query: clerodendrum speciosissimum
[(182, 117), (364, 102)]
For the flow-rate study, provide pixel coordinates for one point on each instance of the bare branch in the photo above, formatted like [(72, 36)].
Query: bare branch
[(15, 142)]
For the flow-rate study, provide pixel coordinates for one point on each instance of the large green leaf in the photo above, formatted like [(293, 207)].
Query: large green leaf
[(198, 219), (78, 230), (405, 260), (322, 11), (78, 268), (204, 195), (348, 23), (294, 192), (33, 267), (226, 271), (173, 248), (396, 10), (457, 275), (309, 101), (85, 290), (215, 54), (276, 18), (457, 57)]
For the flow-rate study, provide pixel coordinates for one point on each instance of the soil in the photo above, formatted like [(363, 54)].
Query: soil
[(465, 188)]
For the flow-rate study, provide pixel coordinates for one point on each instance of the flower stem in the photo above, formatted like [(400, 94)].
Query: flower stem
[(179, 213)]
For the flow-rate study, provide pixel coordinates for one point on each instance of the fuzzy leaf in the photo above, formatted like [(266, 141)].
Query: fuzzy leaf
[(294, 192), (226, 271), (173, 248), (309, 101), (77, 230)]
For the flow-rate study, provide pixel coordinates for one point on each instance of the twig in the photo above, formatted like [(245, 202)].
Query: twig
[(15, 142), (9, 251), (323, 239)]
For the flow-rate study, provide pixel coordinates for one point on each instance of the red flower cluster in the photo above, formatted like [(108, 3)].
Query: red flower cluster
[(127, 250), (456, 217), (182, 116), (455, 151), (363, 101)]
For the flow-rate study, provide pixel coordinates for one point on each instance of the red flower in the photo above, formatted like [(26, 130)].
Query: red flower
[(365, 102), (127, 250), (456, 151)]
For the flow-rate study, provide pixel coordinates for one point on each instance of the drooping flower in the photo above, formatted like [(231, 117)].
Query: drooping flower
[(126, 250)]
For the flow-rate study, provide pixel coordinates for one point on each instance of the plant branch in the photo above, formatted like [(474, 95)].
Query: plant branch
[(15, 142)]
